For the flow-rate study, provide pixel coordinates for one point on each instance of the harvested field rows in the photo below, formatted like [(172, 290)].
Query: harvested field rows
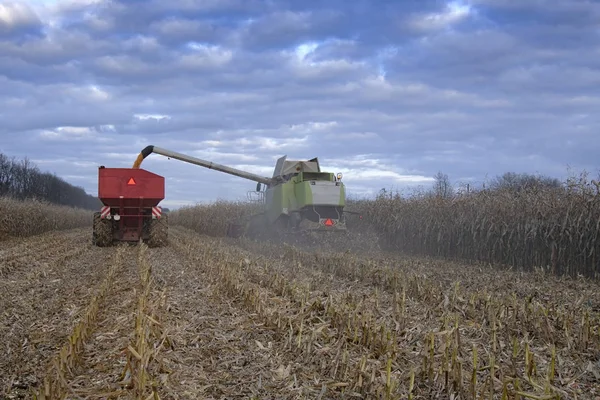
[(214, 319), (44, 250)]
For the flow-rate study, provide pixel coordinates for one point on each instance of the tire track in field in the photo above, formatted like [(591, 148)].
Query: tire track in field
[(102, 360), (38, 307)]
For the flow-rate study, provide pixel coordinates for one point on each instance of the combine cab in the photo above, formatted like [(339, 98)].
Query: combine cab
[(130, 211)]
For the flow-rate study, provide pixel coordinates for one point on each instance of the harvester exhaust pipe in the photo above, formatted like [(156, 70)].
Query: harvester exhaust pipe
[(193, 160)]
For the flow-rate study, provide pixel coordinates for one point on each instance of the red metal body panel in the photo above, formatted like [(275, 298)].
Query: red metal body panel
[(130, 193), (148, 190)]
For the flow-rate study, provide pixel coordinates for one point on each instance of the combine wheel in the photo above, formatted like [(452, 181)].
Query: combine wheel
[(256, 227), (102, 235), (159, 232), (235, 229)]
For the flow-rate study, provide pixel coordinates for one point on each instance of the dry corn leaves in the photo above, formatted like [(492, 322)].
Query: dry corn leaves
[(41, 298), (20, 219), (205, 318), (517, 333), (526, 228)]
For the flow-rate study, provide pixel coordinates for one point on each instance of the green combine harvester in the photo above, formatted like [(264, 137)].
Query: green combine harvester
[(298, 198)]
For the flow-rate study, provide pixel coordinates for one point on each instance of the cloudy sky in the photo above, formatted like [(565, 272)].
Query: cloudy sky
[(388, 92)]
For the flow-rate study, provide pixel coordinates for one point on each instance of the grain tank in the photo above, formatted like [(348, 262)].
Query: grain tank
[(130, 210)]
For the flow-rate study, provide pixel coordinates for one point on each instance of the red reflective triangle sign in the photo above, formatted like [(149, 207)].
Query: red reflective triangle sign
[(131, 181), (328, 222)]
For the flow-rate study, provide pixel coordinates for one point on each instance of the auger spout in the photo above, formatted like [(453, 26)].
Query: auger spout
[(197, 161)]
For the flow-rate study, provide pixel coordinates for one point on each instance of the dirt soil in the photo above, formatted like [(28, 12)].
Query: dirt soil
[(205, 318)]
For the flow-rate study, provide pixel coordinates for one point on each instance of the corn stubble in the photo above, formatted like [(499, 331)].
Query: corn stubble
[(149, 339), (373, 324), (383, 329), (356, 325), (45, 249), (63, 366), (463, 331)]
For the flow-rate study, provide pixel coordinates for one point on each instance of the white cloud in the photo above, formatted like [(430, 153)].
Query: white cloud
[(305, 49), (244, 82), (52, 11), (388, 177), (155, 117), (320, 69), (455, 12), (66, 133), (203, 56), (13, 13), (143, 43), (222, 157)]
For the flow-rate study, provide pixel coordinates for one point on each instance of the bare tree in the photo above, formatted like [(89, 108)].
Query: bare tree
[(515, 182), (442, 186), (23, 180)]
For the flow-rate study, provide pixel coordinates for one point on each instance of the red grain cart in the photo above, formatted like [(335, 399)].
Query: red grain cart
[(130, 211)]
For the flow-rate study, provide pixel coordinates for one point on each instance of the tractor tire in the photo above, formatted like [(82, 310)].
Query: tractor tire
[(102, 235), (159, 232)]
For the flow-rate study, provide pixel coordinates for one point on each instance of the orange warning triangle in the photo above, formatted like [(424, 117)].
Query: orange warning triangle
[(131, 181)]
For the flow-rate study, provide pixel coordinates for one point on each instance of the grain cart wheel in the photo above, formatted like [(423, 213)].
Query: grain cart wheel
[(102, 235), (159, 232)]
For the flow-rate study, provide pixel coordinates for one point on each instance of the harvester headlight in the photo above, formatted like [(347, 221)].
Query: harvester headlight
[(339, 176), (117, 217)]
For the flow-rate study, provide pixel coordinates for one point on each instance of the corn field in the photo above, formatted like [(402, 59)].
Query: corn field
[(30, 217), (214, 317), (554, 229), (213, 219), (209, 317)]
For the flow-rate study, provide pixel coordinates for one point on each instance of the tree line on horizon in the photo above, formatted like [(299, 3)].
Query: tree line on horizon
[(509, 181), (23, 180)]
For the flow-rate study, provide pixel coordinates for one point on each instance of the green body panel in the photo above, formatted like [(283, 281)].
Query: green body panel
[(296, 194), (306, 197), (303, 194), (279, 200)]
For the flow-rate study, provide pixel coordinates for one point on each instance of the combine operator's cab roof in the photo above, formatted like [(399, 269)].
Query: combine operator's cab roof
[(285, 167)]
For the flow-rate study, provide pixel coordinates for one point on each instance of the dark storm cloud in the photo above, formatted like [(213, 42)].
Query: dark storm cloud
[(386, 92)]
